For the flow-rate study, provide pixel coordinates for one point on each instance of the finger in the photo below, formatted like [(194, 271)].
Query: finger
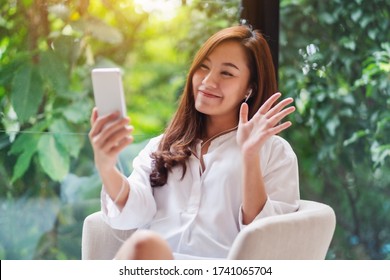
[(282, 114), (101, 122), (278, 107), (94, 115), (115, 127), (279, 128), (119, 144), (268, 103), (244, 113), (122, 145), (112, 132), (120, 135)]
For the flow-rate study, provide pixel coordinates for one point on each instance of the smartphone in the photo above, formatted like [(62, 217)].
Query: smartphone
[(108, 91)]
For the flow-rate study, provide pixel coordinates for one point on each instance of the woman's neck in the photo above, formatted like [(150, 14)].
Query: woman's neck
[(215, 127)]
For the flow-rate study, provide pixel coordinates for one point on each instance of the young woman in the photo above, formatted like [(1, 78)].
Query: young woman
[(219, 165)]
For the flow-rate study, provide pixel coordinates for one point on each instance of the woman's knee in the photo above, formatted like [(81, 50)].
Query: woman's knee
[(145, 245)]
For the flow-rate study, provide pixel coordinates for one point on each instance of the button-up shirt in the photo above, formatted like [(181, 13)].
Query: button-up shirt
[(200, 214)]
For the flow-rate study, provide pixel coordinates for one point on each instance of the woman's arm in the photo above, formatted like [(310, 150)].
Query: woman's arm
[(109, 135), (254, 195), (251, 136)]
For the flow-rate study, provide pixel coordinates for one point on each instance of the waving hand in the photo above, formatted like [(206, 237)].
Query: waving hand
[(252, 133)]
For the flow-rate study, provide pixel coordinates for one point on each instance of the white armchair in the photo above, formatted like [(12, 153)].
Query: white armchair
[(303, 235)]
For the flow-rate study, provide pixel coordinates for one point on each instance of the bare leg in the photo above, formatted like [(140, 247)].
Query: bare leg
[(144, 245)]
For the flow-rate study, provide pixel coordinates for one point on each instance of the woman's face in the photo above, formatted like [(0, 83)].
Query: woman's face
[(222, 81)]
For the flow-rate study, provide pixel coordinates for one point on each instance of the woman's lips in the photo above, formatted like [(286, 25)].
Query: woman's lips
[(208, 94)]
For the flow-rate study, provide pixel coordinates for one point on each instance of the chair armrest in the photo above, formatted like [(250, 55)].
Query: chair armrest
[(99, 240), (305, 234)]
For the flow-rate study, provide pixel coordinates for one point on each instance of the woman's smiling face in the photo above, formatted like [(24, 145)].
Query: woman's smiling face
[(222, 81)]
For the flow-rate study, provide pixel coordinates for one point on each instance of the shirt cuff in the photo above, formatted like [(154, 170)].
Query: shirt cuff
[(130, 216), (268, 210), (271, 208)]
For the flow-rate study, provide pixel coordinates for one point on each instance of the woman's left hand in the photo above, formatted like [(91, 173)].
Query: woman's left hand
[(252, 134)]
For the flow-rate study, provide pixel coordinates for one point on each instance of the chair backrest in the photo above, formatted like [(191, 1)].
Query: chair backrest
[(303, 235)]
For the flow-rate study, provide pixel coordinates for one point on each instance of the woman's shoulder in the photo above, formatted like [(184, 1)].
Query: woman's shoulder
[(156, 139), (277, 143), (277, 152), (279, 140), (152, 143), (145, 148)]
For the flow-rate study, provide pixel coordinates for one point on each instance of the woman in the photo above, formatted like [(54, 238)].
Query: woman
[(219, 165)]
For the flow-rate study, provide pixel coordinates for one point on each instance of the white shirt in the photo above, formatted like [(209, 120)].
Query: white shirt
[(200, 215)]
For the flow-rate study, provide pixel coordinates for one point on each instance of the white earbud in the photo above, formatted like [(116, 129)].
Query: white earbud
[(248, 95)]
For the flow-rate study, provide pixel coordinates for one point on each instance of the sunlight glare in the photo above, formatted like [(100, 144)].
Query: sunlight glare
[(163, 9)]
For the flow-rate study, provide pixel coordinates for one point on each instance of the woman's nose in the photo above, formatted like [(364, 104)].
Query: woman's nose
[(210, 80)]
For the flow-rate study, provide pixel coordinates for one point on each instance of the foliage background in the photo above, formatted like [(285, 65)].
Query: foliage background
[(334, 60)]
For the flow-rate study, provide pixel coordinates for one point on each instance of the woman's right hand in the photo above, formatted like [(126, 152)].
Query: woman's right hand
[(109, 135)]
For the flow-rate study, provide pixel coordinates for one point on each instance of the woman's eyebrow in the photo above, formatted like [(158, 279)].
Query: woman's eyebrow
[(229, 64)]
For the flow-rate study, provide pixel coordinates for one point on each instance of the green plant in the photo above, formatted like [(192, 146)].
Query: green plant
[(47, 167), (335, 59)]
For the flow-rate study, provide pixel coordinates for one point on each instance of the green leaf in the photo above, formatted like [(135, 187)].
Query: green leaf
[(27, 92), (332, 125), (26, 146), (7, 72), (356, 15), (20, 144), (67, 48), (385, 67), (356, 136), (379, 153), (67, 138), (78, 112), (348, 43), (53, 158), (382, 126), (26, 139), (22, 164), (54, 70)]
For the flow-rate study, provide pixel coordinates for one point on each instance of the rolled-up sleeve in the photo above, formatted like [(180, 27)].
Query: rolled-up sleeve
[(281, 179), (140, 207)]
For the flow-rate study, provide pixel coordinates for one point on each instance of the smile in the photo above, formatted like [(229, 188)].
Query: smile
[(208, 94)]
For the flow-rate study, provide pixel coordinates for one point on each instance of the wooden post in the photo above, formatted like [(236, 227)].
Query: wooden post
[(264, 15)]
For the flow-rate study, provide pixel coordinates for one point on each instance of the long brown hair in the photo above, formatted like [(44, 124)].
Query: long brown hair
[(187, 124)]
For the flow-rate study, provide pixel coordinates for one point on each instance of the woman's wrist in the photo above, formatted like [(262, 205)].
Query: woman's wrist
[(250, 156)]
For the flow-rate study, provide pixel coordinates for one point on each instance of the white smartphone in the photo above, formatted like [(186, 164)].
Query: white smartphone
[(108, 91)]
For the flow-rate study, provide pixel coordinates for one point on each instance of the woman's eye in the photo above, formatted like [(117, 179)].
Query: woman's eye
[(204, 67), (225, 73)]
